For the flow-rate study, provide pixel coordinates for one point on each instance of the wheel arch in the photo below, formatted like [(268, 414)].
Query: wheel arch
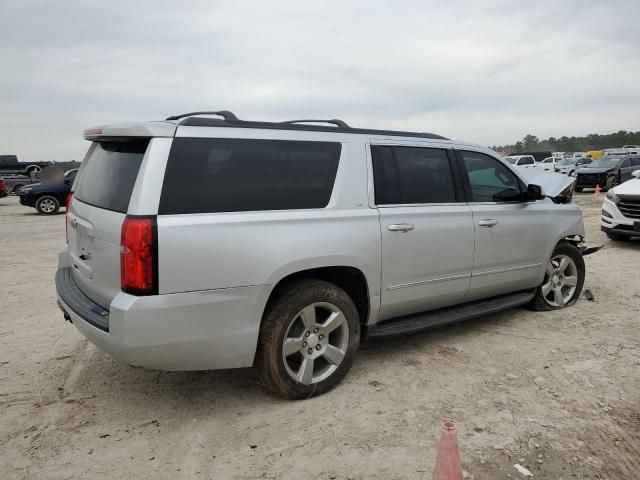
[(349, 278)]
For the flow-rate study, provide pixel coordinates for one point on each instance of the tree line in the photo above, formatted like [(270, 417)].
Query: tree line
[(593, 141)]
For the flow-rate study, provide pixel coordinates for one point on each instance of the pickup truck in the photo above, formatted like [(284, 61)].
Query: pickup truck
[(10, 164), (13, 183)]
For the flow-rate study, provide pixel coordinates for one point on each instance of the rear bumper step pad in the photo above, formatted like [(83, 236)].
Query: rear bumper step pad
[(78, 302)]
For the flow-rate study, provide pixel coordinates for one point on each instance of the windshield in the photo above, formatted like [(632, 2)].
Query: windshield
[(604, 163), (512, 160)]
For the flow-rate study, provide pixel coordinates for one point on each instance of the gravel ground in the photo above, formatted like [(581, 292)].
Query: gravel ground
[(555, 392)]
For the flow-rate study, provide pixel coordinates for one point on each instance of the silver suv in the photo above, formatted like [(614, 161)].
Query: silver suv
[(203, 243)]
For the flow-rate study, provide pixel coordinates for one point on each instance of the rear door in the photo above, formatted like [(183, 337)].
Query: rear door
[(100, 201), (426, 229)]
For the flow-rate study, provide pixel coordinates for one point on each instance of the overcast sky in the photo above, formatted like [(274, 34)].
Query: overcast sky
[(483, 71)]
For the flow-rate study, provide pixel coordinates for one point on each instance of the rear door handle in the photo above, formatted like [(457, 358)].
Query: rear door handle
[(400, 227), (489, 222)]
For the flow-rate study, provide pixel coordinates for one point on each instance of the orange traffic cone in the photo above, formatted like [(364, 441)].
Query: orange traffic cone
[(448, 465), (597, 190)]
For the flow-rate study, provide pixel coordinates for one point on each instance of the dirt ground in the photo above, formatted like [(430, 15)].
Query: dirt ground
[(556, 392)]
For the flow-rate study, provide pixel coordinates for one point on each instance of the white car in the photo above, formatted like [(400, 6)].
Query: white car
[(548, 164), (621, 210), (522, 161)]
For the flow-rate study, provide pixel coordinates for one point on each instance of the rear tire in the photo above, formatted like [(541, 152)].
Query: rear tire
[(16, 189), (308, 339), (563, 279), (47, 205), (618, 238)]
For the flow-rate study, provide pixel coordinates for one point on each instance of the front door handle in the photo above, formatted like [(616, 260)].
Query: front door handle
[(488, 223), (400, 227)]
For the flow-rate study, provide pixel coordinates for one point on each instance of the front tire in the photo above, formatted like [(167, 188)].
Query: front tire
[(611, 182), (308, 339), (47, 205), (563, 279)]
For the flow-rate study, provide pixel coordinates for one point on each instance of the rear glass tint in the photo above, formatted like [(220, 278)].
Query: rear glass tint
[(207, 175), (108, 177)]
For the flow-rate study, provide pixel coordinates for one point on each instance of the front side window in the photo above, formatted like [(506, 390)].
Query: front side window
[(527, 161), (490, 180), (208, 175), (412, 175)]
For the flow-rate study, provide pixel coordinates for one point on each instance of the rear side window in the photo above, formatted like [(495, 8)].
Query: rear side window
[(406, 175), (109, 174), (208, 175)]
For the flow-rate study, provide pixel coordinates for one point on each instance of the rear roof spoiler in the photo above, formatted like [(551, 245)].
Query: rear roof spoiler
[(131, 130)]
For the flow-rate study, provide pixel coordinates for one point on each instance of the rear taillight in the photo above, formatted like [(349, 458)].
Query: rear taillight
[(138, 256), (66, 216)]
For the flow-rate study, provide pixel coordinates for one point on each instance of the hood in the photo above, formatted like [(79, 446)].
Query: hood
[(554, 184), (629, 188), (595, 170)]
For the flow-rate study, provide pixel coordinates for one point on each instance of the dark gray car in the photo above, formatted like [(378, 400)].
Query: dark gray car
[(13, 183), (607, 172)]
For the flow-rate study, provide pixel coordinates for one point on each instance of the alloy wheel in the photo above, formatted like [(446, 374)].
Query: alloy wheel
[(47, 205), (315, 343), (561, 279)]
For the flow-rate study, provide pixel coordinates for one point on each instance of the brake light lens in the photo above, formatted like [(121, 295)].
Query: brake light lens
[(66, 216), (138, 256)]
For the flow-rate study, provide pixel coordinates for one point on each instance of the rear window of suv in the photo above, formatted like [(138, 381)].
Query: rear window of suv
[(209, 175), (109, 174)]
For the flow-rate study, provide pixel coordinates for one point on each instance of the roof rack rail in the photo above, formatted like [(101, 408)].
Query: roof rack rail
[(334, 121), (226, 114)]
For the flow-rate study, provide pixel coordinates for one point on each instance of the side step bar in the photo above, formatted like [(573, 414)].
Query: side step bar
[(424, 321)]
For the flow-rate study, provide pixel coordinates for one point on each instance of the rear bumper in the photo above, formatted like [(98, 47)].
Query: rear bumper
[(183, 331)]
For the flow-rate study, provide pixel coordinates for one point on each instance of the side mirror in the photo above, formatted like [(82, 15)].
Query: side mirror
[(635, 174), (534, 192)]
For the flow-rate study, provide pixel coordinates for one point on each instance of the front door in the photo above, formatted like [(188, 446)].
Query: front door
[(426, 229), (511, 234)]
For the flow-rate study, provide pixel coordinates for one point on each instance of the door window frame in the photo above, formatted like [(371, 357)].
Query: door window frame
[(467, 184), (458, 185)]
